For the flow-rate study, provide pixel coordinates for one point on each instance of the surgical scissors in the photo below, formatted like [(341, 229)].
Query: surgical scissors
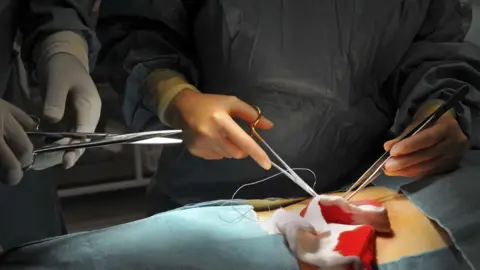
[(90, 140), (377, 168), (287, 171)]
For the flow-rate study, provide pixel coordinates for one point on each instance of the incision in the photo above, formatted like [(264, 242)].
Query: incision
[(412, 232)]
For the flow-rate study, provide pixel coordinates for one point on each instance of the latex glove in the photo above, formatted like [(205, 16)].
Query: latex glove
[(16, 149), (209, 130), (66, 80), (436, 149)]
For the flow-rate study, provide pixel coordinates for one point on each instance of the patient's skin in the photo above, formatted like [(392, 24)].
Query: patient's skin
[(413, 232)]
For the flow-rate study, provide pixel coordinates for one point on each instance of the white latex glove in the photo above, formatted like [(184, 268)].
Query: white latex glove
[(68, 83), (16, 149)]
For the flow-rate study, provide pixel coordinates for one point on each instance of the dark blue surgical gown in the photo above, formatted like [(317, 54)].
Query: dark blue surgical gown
[(31, 210), (335, 76)]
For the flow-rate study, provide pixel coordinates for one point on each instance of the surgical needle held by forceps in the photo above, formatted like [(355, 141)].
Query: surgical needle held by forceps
[(287, 171), (377, 168)]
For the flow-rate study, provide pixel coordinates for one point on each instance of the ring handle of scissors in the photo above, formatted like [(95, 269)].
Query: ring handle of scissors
[(29, 166), (36, 119), (286, 170), (252, 125)]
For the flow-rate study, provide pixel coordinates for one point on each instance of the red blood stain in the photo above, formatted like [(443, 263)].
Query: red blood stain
[(335, 214), (303, 212), (358, 242), (306, 266), (332, 214)]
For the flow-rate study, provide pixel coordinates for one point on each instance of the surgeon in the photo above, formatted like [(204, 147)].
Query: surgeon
[(58, 47), (340, 80)]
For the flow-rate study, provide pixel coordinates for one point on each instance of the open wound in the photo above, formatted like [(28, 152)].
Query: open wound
[(331, 233)]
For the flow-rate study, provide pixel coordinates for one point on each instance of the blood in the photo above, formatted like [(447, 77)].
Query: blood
[(306, 266), (335, 214), (358, 242), (332, 214), (303, 212)]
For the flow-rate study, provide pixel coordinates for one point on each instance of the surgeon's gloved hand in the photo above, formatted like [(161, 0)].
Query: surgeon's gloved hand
[(209, 130), (16, 149), (68, 83), (437, 149), (70, 96)]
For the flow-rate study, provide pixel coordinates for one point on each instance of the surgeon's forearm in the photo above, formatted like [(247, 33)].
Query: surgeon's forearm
[(42, 19), (163, 86), (429, 106)]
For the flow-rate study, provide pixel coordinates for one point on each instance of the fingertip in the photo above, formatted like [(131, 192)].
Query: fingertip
[(392, 166), (386, 166), (270, 125), (70, 158), (67, 163), (268, 122), (388, 173), (30, 124), (84, 129), (14, 176), (26, 159), (387, 145), (264, 124), (266, 164)]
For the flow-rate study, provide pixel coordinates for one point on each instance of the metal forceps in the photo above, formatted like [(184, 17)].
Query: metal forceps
[(91, 140), (377, 168), (287, 171)]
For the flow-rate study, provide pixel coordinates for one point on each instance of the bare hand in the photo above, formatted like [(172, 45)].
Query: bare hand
[(209, 130), (437, 149)]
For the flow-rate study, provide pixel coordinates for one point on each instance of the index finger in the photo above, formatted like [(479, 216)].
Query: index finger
[(11, 170), (245, 142), (22, 118), (422, 140)]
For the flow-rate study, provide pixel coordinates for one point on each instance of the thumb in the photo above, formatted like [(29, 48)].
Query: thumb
[(389, 144), (88, 106), (55, 100), (22, 118), (249, 114)]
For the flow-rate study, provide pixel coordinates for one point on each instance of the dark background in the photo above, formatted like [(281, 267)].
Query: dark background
[(107, 186)]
